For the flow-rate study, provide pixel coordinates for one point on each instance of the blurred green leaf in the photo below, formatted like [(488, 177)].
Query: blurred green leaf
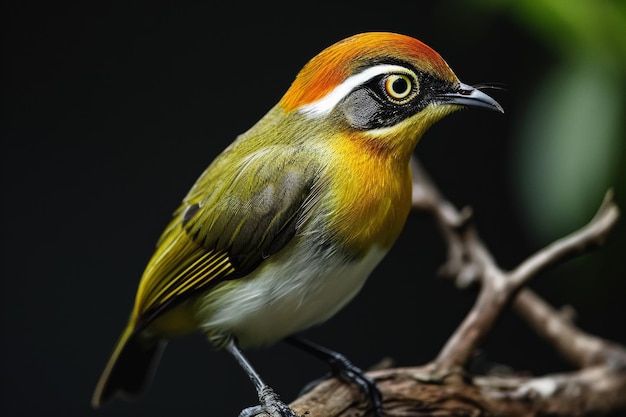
[(568, 146), (573, 27)]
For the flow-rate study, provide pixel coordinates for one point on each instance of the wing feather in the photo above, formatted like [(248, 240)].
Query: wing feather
[(230, 222)]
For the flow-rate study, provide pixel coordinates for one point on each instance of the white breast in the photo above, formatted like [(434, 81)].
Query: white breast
[(294, 291)]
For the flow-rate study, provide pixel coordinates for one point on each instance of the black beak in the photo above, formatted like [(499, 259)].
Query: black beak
[(466, 95)]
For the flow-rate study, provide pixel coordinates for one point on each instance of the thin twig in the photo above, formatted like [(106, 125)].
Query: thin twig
[(583, 240), (578, 347), (470, 261), (597, 388)]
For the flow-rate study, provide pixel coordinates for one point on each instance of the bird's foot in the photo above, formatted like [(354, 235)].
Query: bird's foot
[(347, 371), (341, 367), (270, 404)]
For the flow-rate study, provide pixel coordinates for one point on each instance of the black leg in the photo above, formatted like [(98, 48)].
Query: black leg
[(340, 366), (268, 399)]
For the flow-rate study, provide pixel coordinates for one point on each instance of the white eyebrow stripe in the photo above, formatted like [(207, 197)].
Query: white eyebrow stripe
[(326, 104)]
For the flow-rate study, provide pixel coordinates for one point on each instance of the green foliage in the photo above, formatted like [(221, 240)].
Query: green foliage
[(570, 145)]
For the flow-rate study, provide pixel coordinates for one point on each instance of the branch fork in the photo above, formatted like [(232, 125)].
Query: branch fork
[(443, 387)]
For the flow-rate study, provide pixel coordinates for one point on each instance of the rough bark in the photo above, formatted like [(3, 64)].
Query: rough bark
[(443, 387)]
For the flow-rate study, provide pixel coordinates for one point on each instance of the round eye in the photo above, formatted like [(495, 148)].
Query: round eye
[(398, 86)]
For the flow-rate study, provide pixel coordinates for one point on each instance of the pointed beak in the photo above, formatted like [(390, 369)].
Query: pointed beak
[(466, 95)]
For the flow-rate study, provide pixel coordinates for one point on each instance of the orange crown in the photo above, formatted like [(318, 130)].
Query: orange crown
[(337, 62)]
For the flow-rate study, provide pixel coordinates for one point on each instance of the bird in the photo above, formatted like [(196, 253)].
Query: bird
[(285, 225)]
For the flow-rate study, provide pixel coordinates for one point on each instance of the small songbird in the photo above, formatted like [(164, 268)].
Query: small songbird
[(285, 225)]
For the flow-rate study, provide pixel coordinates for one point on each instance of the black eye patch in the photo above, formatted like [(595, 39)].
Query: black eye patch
[(369, 106), (363, 109)]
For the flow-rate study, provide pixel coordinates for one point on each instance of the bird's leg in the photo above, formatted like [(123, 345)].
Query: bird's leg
[(268, 399), (340, 366)]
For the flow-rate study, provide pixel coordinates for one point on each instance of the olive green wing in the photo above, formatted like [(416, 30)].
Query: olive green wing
[(235, 217)]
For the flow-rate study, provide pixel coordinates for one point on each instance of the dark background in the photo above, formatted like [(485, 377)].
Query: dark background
[(111, 111)]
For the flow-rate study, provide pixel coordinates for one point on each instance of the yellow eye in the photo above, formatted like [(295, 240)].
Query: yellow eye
[(398, 86)]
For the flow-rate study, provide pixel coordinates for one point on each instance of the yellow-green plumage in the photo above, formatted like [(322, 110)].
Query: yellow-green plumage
[(285, 225)]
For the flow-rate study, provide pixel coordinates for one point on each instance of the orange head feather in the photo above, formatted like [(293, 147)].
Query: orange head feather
[(337, 62)]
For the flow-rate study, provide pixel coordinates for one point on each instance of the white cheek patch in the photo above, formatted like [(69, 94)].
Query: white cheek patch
[(326, 104)]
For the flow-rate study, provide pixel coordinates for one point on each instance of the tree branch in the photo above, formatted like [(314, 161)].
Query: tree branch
[(443, 387)]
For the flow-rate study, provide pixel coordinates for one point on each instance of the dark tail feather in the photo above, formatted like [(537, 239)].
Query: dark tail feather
[(130, 367)]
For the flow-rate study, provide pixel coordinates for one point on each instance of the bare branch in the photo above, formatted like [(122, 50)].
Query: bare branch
[(580, 348), (470, 260), (587, 238), (443, 387)]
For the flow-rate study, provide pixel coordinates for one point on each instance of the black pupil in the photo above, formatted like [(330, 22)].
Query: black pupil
[(400, 86)]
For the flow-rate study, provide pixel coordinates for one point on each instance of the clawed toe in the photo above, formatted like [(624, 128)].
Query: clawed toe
[(270, 404), (352, 374)]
